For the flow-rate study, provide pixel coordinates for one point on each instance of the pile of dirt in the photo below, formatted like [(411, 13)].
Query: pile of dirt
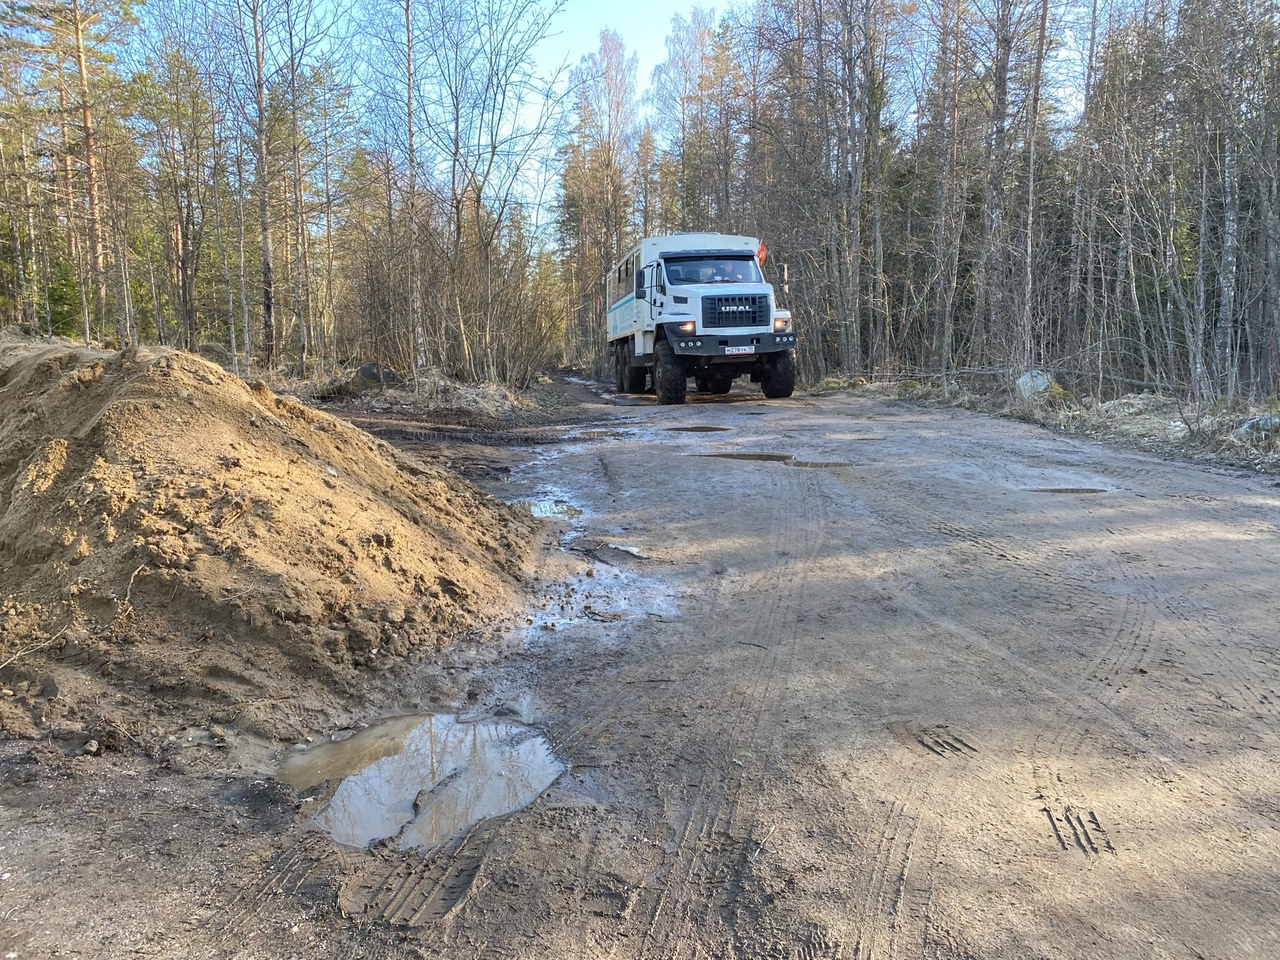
[(179, 547)]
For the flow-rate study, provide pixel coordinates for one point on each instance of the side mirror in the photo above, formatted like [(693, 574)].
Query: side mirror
[(640, 284)]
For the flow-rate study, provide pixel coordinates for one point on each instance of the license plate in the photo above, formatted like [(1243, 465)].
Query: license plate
[(736, 351)]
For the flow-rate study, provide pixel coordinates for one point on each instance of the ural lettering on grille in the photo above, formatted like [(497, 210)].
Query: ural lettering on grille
[(743, 311)]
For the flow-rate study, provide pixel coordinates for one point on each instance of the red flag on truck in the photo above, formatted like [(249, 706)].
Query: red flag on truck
[(761, 253)]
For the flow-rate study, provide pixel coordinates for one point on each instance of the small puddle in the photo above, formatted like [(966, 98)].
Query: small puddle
[(594, 435), (1066, 490), (557, 508), (697, 429), (423, 780)]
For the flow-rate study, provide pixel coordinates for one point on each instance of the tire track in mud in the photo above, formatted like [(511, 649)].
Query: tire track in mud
[(723, 832), (412, 889), (895, 917), (710, 854), (1244, 663), (1114, 638), (717, 848), (294, 872)]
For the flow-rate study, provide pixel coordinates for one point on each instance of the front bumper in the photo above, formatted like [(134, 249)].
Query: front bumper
[(740, 346)]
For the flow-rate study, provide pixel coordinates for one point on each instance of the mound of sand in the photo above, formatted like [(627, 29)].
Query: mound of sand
[(176, 545)]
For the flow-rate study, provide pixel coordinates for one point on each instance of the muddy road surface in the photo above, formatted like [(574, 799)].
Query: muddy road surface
[(826, 677)]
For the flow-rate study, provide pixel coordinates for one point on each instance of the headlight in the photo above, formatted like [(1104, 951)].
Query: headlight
[(688, 327), (782, 321)]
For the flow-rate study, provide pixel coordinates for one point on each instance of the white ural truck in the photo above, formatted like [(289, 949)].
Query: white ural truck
[(696, 305)]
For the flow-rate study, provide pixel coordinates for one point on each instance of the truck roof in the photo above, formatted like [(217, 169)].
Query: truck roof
[(695, 243)]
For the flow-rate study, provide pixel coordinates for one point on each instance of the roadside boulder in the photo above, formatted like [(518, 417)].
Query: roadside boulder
[(1256, 428), (1033, 382), (371, 377)]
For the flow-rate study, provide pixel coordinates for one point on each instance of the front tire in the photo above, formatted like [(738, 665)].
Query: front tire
[(779, 378), (668, 374)]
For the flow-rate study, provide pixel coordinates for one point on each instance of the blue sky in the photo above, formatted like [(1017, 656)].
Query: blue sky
[(643, 27)]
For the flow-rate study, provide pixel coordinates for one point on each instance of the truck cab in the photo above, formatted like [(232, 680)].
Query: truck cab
[(697, 306)]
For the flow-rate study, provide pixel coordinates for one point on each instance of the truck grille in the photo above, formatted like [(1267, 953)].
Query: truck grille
[(741, 311)]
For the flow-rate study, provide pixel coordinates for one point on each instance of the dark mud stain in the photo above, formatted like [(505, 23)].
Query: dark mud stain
[(764, 457), (1066, 490), (697, 429), (422, 781)]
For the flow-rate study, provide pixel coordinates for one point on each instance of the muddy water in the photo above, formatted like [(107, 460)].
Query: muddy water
[(423, 780)]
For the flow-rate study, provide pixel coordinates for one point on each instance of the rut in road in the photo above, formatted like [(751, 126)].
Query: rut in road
[(718, 839)]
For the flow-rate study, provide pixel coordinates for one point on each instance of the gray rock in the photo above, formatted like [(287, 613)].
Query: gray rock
[(1257, 427), (1033, 382)]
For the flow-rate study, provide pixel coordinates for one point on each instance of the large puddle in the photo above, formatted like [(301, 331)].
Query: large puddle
[(423, 780)]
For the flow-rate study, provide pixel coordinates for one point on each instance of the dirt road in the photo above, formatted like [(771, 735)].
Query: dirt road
[(829, 677)]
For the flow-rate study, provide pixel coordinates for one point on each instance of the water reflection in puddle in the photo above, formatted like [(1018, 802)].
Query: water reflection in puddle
[(557, 508), (423, 780)]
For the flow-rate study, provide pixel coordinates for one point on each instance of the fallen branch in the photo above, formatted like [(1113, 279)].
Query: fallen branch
[(760, 844)]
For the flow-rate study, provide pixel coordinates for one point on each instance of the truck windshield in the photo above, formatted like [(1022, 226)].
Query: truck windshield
[(684, 270)]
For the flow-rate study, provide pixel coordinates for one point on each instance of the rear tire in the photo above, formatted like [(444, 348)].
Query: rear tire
[(721, 385), (778, 380), (634, 376), (668, 374), (619, 367)]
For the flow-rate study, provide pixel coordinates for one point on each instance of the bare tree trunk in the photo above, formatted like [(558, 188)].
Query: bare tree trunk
[(68, 192), (1270, 323), (1224, 327), (263, 178), (418, 331), (226, 269), (1033, 123), (301, 264), (991, 283), (92, 176), (243, 282), (1198, 362)]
